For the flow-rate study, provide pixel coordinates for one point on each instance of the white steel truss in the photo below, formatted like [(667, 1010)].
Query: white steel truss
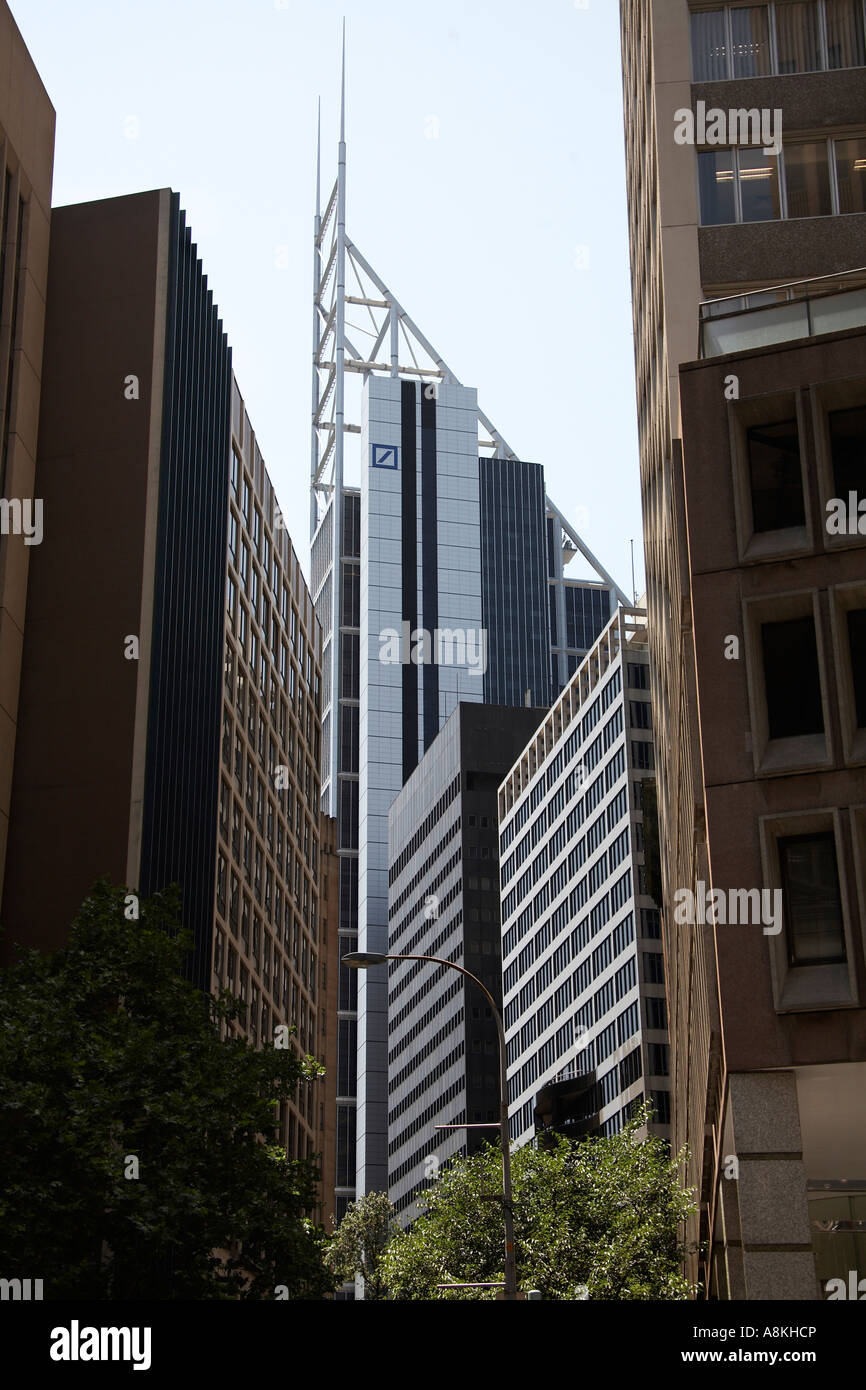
[(360, 327)]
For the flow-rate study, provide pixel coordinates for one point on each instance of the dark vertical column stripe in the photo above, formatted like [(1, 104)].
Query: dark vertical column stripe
[(430, 564), (179, 825), (409, 567)]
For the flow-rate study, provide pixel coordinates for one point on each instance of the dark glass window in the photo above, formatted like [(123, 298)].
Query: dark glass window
[(656, 1014), (774, 476), (791, 678), (807, 179), (797, 42), (811, 898), (857, 646), (716, 186), (845, 38), (848, 450), (759, 185), (661, 1106)]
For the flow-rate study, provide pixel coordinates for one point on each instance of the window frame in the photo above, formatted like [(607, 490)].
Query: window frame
[(746, 414), (808, 988), (803, 752), (773, 38)]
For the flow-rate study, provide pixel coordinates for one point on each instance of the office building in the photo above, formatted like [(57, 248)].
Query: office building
[(445, 531), (26, 163), (170, 723), (746, 169), (443, 900), (583, 974)]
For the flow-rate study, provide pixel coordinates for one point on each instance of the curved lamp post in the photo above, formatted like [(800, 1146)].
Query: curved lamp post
[(362, 960)]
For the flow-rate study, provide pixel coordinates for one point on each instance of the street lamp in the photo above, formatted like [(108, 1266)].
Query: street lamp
[(362, 960)]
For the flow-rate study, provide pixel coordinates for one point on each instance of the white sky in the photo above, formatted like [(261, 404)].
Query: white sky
[(475, 230)]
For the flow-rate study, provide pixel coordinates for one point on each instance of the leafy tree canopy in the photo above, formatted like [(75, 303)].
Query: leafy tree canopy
[(360, 1241), (131, 1133), (603, 1213)]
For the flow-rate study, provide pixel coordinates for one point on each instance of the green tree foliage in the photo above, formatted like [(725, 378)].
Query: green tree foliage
[(360, 1240), (107, 1055), (602, 1213)]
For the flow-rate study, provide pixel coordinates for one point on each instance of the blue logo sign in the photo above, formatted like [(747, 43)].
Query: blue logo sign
[(385, 456)]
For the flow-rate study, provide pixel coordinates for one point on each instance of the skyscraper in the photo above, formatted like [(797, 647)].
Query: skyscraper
[(746, 168), (170, 713), (26, 162), (443, 900), (445, 532), (583, 971)]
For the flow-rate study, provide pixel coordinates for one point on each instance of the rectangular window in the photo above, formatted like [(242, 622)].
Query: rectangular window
[(639, 711), (774, 476), (736, 41), (791, 679), (845, 38), (750, 46), (812, 900), (709, 46), (848, 450), (807, 179), (851, 174), (758, 185), (857, 644), (716, 185), (798, 44)]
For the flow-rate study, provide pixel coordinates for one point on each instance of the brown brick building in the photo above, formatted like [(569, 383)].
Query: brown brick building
[(170, 720), (26, 162)]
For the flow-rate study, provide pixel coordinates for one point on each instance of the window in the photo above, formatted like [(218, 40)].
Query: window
[(791, 678), (653, 968), (774, 476), (851, 174), (661, 1101), (845, 33), (758, 185), (656, 1015), (640, 714), (739, 40), (856, 622), (638, 675), (848, 450), (716, 186), (811, 899), (807, 179), (797, 39), (641, 755)]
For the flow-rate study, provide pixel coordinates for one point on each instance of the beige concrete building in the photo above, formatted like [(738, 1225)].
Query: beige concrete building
[(746, 166), (26, 163)]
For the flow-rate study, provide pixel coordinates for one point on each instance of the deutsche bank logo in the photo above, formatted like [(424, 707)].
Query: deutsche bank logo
[(385, 456)]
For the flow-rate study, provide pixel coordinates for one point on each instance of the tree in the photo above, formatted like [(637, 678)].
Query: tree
[(134, 1160), (360, 1240), (603, 1213)]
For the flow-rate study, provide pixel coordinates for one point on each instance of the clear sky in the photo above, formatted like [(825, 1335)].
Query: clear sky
[(486, 185)]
